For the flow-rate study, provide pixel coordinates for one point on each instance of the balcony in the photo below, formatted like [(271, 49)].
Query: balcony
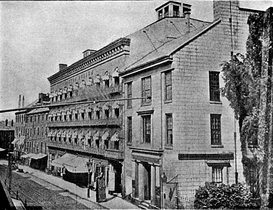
[(109, 153), (114, 122)]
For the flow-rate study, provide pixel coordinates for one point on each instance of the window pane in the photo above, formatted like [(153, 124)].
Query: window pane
[(168, 85), (169, 130), (214, 86), (147, 129), (215, 129)]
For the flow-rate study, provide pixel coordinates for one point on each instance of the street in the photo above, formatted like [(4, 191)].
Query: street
[(40, 194)]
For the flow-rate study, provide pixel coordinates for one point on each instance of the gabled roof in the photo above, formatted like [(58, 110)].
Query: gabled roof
[(169, 47), (154, 36)]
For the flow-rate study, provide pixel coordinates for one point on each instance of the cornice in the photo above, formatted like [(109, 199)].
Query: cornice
[(104, 53)]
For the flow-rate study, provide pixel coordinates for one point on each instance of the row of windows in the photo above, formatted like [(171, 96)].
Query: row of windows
[(37, 131), (146, 88), (37, 118), (67, 92), (215, 121), (91, 115), (97, 144)]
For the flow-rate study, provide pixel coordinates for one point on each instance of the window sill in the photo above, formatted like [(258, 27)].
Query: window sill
[(168, 147), (215, 102), (168, 101), (217, 146)]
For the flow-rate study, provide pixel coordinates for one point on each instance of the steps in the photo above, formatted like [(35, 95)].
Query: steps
[(147, 205)]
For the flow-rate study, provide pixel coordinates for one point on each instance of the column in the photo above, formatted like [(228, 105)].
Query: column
[(141, 181), (153, 183), (136, 179)]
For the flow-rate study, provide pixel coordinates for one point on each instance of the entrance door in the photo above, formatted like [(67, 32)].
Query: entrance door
[(147, 181)]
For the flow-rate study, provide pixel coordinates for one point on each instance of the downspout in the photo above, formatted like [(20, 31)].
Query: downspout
[(161, 136)]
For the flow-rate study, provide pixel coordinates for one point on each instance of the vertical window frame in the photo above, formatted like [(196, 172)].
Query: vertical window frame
[(146, 91), (215, 129), (168, 85), (169, 130), (214, 86), (129, 129), (146, 129), (129, 94)]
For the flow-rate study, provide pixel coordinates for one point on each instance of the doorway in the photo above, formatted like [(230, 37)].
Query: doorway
[(147, 181)]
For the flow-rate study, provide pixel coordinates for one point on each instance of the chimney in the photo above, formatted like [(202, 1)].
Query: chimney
[(19, 103), (88, 52), (62, 66), (23, 102), (188, 20)]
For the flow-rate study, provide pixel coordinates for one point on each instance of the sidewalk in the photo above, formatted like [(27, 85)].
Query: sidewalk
[(113, 202)]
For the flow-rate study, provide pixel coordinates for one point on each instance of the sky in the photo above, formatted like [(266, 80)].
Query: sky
[(35, 36)]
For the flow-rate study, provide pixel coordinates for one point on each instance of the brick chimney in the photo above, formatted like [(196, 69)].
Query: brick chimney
[(62, 66)]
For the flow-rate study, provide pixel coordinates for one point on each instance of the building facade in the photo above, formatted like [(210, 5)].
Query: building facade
[(6, 137), (181, 134), (85, 122)]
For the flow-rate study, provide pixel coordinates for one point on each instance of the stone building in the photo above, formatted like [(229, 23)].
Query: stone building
[(146, 109), (31, 133), (6, 138), (181, 134)]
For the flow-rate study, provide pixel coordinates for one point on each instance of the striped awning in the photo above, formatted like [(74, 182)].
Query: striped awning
[(105, 136), (115, 137), (96, 136)]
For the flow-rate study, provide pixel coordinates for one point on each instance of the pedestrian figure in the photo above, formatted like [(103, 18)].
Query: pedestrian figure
[(100, 189)]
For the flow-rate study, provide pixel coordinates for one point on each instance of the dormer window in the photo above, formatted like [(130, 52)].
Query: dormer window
[(166, 11), (175, 11), (160, 14)]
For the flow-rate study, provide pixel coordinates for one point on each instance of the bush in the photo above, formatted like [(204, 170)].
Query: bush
[(213, 196)]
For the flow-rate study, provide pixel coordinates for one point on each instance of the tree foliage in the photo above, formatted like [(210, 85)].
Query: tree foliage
[(224, 196)]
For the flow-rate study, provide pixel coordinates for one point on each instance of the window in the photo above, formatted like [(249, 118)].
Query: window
[(168, 86), (169, 130), (215, 123), (117, 112), (90, 115), (129, 94), (76, 116), (106, 83), (146, 128), (214, 86), (129, 129), (82, 115), (146, 91), (217, 174), (98, 114), (106, 112), (116, 81), (176, 11)]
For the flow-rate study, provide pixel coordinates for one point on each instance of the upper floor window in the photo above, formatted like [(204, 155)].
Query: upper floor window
[(146, 90), (106, 112), (168, 86), (129, 129), (169, 130), (116, 111), (106, 83), (129, 95), (146, 125), (116, 81), (214, 86), (98, 114), (215, 126)]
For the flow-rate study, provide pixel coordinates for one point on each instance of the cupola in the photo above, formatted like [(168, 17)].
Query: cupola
[(173, 9)]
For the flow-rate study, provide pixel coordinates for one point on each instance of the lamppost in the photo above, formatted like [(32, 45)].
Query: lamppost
[(89, 166)]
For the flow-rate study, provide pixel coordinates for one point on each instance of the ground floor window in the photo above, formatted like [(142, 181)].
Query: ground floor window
[(217, 174)]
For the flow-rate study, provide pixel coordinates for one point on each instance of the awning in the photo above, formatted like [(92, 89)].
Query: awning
[(28, 155), (115, 137), (38, 156), (106, 106), (115, 73), (105, 136), (72, 163), (96, 108), (96, 135), (59, 162), (77, 165), (115, 105), (105, 77), (14, 141)]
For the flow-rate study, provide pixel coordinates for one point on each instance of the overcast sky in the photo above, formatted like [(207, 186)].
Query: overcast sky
[(36, 36)]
